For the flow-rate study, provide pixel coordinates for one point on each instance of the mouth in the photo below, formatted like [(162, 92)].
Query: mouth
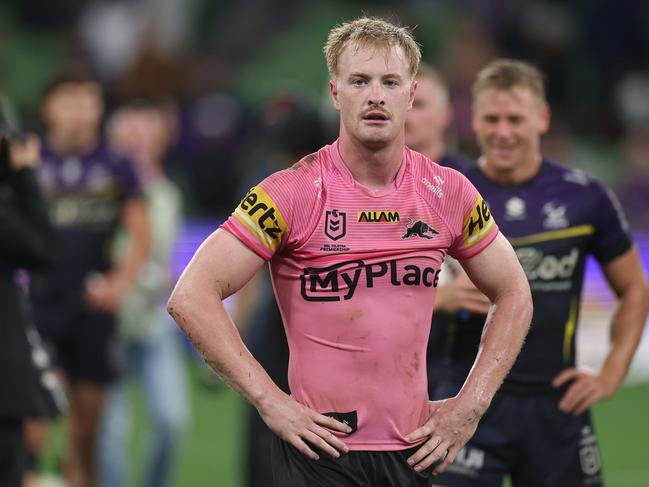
[(376, 117)]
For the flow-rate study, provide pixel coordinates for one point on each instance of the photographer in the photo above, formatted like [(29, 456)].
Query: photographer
[(25, 236)]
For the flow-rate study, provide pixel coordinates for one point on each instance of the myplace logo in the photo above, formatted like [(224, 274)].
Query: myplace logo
[(339, 282)]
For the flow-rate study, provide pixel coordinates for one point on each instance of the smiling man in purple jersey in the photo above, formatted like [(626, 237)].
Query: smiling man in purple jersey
[(538, 429), (355, 235)]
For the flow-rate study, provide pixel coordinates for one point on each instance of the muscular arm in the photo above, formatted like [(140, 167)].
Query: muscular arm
[(221, 266), (627, 280), (497, 273)]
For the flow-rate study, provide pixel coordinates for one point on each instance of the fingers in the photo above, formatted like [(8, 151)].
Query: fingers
[(577, 396), (321, 444), (303, 448), (565, 376), (331, 423), (450, 458), (330, 438), (421, 432), (430, 452)]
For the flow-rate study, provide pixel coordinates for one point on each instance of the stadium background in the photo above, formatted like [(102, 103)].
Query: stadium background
[(237, 69)]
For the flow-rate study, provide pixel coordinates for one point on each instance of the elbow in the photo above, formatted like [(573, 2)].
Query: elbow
[(176, 303)]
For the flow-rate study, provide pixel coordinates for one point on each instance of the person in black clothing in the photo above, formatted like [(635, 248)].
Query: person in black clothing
[(25, 235)]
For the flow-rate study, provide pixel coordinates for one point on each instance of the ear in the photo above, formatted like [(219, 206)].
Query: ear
[(474, 117), (333, 91), (413, 89), (546, 115)]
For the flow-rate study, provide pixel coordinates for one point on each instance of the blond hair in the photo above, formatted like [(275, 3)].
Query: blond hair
[(373, 32), (505, 74)]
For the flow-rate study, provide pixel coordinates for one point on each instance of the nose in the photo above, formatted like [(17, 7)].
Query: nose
[(503, 129), (376, 95)]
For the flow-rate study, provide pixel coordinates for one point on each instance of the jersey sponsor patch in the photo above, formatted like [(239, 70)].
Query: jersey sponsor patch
[(377, 216), (478, 224), (259, 214)]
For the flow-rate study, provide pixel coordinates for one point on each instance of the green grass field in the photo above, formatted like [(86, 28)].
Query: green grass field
[(211, 451)]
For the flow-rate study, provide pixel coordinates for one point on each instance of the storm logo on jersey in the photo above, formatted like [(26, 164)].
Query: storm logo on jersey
[(340, 281)]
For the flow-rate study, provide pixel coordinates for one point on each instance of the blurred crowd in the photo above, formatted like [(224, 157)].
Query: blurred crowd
[(185, 97), (224, 63)]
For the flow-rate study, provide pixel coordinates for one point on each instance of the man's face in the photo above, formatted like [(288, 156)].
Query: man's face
[(372, 90), (74, 110), (508, 125), (430, 114), (140, 133)]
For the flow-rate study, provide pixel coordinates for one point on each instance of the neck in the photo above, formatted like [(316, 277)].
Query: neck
[(515, 175), (151, 173), (374, 168), (434, 148), (62, 144)]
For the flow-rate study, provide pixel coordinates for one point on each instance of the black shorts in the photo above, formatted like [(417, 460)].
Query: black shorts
[(83, 346), (12, 452), (528, 438), (354, 469)]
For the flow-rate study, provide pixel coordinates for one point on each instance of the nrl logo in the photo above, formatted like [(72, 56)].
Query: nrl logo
[(335, 224)]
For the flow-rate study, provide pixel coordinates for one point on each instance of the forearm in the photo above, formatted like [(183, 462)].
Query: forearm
[(504, 332), (200, 313), (626, 332), (137, 225)]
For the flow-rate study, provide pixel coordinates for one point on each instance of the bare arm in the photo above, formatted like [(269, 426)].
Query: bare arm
[(107, 292), (627, 279), (221, 266), (496, 273)]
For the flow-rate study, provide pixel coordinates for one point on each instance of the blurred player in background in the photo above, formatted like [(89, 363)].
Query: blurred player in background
[(355, 235), (149, 344), (538, 428), (426, 127), (91, 192)]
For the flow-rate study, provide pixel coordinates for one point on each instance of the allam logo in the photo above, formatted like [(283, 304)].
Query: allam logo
[(377, 216)]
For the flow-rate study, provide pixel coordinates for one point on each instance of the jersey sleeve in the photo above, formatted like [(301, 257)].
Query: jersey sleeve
[(129, 179), (261, 221), (611, 237), (477, 228)]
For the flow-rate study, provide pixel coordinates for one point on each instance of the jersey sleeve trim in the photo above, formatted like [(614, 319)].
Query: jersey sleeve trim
[(230, 227), (485, 241)]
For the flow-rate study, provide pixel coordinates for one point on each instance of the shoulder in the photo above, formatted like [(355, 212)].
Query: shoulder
[(303, 180), (432, 179), (575, 180)]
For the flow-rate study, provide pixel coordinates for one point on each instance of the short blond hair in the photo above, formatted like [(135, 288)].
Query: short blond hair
[(373, 32), (505, 74)]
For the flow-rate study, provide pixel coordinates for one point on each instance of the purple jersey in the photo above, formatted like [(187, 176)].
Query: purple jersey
[(553, 222), (86, 195)]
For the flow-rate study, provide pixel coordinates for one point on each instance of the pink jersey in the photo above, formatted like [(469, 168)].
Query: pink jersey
[(354, 272)]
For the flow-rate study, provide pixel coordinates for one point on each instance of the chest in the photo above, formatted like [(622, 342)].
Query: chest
[(400, 223)]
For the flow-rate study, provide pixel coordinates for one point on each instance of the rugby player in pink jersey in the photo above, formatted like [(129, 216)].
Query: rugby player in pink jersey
[(355, 235)]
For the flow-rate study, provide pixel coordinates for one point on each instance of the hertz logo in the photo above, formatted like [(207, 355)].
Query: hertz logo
[(259, 213), (478, 223), (377, 216)]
